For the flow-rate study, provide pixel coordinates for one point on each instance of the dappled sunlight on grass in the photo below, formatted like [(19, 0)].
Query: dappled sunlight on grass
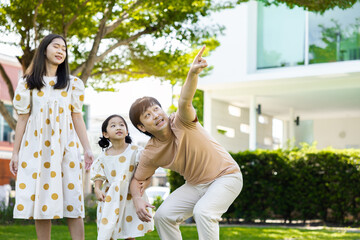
[(60, 232), (264, 233)]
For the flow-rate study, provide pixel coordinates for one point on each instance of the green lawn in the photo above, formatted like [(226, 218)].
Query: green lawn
[(60, 232)]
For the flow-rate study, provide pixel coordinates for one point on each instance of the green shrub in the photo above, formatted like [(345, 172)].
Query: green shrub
[(157, 202), (175, 180), (7, 217), (90, 208), (302, 183), (6, 213)]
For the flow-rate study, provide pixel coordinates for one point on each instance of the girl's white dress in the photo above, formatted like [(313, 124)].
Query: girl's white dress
[(49, 178), (116, 217)]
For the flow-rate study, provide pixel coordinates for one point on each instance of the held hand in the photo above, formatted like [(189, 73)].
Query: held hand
[(14, 164), (199, 63), (100, 195), (89, 158), (140, 206), (143, 185)]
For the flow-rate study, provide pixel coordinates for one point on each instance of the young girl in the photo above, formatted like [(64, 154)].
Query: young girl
[(116, 215), (46, 156)]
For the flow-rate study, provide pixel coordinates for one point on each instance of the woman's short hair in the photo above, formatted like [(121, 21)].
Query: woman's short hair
[(138, 108)]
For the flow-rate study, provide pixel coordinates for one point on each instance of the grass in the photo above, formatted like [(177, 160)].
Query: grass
[(60, 232)]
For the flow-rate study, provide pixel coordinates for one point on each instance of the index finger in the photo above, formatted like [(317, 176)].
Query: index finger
[(13, 169), (201, 52), (146, 216)]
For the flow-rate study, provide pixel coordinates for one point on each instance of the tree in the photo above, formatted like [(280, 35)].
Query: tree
[(314, 6), (115, 41)]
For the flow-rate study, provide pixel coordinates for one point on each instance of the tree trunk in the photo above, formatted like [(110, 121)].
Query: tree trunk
[(25, 61), (26, 58), (7, 81), (90, 62)]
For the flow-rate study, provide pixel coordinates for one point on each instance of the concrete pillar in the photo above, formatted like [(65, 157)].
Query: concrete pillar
[(291, 127), (252, 123), (285, 135)]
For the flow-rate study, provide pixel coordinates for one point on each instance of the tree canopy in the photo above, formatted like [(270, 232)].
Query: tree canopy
[(114, 41), (313, 6)]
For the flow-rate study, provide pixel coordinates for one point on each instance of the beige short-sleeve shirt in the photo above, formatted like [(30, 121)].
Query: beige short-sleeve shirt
[(190, 151)]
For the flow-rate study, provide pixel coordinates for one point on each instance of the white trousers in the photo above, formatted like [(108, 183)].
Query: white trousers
[(206, 202)]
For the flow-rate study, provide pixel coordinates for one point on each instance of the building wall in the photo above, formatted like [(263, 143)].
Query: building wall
[(301, 87), (220, 117), (5, 174), (264, 133), (14, 71), (233, 44), (13, 68), (339, 133)]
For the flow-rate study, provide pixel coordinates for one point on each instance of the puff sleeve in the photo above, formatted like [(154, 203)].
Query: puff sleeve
[(138, 154), (77, 95), (22, 98), (97, 170)]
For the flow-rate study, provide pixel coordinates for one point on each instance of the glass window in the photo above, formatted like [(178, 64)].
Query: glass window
[(5, 130), (263, 120), (335, 35), (229, 132), (244, 128), (234, 111), (277, 132), (280, 36), (267, 141)]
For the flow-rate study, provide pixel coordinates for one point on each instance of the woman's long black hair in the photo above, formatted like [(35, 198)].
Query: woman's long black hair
[(105, 142), (37, 69)]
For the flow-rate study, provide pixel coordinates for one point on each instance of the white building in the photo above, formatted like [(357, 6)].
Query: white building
[(292, 63)]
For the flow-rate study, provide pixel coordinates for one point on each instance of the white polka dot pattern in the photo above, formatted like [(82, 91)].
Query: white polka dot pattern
[(48, 156), (116, 217)]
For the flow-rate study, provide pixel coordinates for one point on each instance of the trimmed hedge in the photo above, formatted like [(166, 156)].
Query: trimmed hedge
[(301, 184)]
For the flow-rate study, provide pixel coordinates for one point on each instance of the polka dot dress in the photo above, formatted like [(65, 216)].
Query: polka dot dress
[(49, 179), (116, 217)]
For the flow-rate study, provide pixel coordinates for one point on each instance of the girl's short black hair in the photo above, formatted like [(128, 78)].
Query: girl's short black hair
[(139, 107), (105, 142), (37, 69)]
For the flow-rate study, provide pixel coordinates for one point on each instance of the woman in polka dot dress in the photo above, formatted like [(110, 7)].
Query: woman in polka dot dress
[(113, 170), (46, 156)]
